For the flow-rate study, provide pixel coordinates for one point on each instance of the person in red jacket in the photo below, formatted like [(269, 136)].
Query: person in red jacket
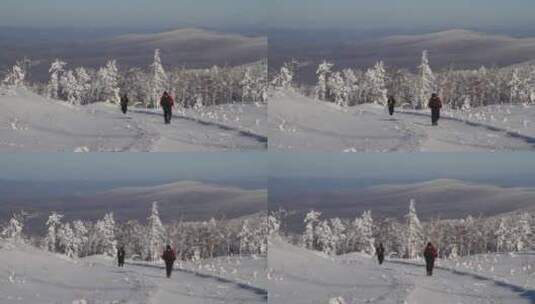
[(167, 104), (435, 104), (430, 254), (169, 256)]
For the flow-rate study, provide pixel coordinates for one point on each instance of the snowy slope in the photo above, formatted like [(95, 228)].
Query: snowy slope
[(29, 275), (302, 276), (29, 122), (300, 123)]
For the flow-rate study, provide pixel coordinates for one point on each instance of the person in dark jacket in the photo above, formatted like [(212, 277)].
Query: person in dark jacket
[(391, 104), (380, 252), (167, 103), (124, 103), (169, 257), (435, 104), (430, 254), (120, 256)]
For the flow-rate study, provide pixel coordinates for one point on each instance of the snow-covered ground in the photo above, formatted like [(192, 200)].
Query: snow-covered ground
[(29, 275), (300, 123), (298, 275), (29, 122)]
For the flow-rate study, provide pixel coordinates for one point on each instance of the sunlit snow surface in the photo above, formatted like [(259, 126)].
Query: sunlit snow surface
[(299, 123), (29, 122)]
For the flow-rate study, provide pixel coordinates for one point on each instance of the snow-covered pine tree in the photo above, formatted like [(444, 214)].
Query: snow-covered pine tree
[(377, 81), (324, 235), (273, 223), (426, 82), (245, 236), (70, 88), (323, 72), (309, 237), (159, 80), (415, 237), (339, 237), (56, 71), (501, 234), (66, 241), (336, 85), (105, 242), (80, 238), (84, 84), (53, 223), (107, 84), (366, 226), (13, 230), (284, 79), (522, 232), (156, 234), (15, 77)]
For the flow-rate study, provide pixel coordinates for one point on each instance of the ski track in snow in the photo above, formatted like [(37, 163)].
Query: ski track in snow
[(185, 286), (304, 276), (29, 275), (29, 122), (299, 123)]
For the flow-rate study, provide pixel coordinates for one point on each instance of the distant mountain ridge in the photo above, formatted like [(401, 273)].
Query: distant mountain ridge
[(185, 47), (186, 200), (441, 198)]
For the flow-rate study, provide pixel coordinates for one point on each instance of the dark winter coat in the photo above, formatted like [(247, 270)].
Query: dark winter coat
[(380, 251), (430, 252), (124, 100), (169, 255), (167, 101), (435, 103), (391, 102), (120, 254)]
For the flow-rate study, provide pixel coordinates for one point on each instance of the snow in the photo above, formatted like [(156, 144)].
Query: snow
[(299, 123), (29, 275), (302, 276), (29, 122)]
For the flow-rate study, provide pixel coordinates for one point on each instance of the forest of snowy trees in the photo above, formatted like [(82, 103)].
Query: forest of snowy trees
[(459, 89), (190, 87), (406, 238), (192, 240)]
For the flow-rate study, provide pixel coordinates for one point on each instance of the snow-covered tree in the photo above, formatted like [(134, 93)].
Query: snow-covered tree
[(104, 239), (159, 80), (156, 234), (323, 73), (426, 82), (246, 237), (415, 237), (311, 220), (324, 235), (53, 223), (70, 87), (522, 232), (13, 230), (107, 83), (66, 240), (80, 238), (15, 77), (83, 84), (501, 234), (284, 79), (56, 71), (377, 81), (273, 224)]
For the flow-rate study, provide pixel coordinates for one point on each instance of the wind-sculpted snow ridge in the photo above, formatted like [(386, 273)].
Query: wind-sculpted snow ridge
[(29, 122), (299, 123), (298, 275)]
